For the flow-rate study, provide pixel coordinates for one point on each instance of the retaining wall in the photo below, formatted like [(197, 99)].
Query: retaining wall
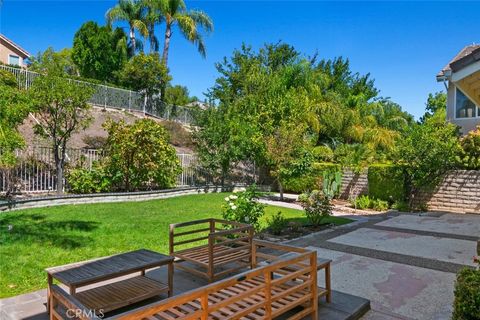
[(459, 191), (48, 201)]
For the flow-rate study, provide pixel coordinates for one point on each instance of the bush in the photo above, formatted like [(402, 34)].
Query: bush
[(386, 182), (243, 207), (365, 202), (94, 142), (467, 295), (401, 206), (7, 79), (88, 181), (317, 206), (311, 180), (469, 157), (322, 154), (277, 223), (139, 157)]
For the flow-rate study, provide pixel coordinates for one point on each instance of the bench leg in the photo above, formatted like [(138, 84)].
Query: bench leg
[(50, 282), (327, 283), (170, 279)]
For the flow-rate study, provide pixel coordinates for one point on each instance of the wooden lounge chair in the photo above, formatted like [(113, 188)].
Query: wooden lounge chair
[(265, 292), (223, 247)]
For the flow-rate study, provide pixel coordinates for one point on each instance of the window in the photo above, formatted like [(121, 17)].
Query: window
[(464, 107), (14, 60)]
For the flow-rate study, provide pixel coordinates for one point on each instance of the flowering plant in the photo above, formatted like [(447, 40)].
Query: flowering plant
[(243, 207)]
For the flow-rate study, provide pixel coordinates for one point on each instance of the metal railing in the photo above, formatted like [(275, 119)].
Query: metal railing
[(35, 169), (111, 97)]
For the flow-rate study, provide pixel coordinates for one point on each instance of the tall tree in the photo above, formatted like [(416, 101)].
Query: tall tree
[(189, 22), (153, 16), (99, 51), (436, 102), (61, 109), (132, 12)]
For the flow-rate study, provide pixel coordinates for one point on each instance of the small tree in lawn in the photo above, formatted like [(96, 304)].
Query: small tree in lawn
[(61, 109), (14, 108), (139, 156), (286, 154)]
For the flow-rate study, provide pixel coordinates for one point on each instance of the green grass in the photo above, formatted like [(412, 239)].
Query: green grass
[(46, 237)]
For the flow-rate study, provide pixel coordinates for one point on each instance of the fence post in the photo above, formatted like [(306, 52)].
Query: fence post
[(144, 104), (129, 100)]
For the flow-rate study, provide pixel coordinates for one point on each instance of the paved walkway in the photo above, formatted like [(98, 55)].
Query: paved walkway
[(404, 263)]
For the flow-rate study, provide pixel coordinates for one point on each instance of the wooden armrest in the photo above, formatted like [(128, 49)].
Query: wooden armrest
[(277, 246), (190, 223), (70, 303)]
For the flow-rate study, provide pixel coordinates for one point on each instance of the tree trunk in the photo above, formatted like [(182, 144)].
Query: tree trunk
[(280, 189), (133, 40), (168, 35), (59, 168), (151, 35)]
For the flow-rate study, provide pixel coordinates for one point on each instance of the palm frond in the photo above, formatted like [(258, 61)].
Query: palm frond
[(201, 19)]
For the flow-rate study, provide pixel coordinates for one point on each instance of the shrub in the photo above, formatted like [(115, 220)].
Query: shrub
[(386, 182), (311, 180), (317, 206), (322, 153), (380, 205), (277, 223), (139, 157), (243, 207), (469, 157), (362, 202), (365, 202), (7, 79), (88, 181), (401, 206), (467, 295)]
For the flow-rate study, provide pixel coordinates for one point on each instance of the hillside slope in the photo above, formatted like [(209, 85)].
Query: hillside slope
[(180, 135)]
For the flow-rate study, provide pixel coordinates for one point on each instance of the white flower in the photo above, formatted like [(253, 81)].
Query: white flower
[(227, 199), (246, 219), (231, 204), (233, 197), (234, 207)]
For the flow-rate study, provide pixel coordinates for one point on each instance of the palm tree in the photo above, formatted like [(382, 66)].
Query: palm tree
[(153, 17), (188, 21), (133, 12)]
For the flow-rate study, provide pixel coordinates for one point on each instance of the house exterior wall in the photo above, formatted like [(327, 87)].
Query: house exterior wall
[(6, 49), (467, 124)]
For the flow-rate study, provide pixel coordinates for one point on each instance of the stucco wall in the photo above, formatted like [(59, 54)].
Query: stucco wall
[(6, 50)]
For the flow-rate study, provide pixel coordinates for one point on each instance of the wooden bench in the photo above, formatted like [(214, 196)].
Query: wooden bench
[(265, 292), (222, 247)]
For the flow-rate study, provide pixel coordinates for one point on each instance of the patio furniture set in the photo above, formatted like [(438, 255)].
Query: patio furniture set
[(260, 279)]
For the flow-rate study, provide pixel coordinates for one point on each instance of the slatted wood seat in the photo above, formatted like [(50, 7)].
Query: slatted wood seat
[(264, 292), (223, 247)]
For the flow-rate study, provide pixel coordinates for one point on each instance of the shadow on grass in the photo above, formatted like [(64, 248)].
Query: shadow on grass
[(34, 228)]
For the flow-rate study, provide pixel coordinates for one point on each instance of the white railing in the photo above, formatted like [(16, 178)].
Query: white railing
[(111, 97), (35, 169)]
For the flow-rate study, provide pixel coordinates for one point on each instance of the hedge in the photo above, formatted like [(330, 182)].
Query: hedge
[(467, 295), (310, 181), (386, 182)]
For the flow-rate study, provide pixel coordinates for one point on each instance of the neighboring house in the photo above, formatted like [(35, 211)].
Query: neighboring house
[(463, 77), (11, 53)]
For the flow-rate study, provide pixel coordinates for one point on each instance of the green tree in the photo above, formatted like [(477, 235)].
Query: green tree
[(133, 13), (139, 156), (189, 22), (436, 102), (153, 16), (427, 151), (469, 157), (99, 52), (52, 60), (14, 108), (60, 107), (145, 73), (178, 95)]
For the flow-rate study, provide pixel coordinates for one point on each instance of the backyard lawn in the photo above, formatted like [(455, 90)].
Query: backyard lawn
[(31, 240)]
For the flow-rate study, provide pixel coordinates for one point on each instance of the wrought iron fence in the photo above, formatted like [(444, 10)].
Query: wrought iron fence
[(111, 97), (35, 169)]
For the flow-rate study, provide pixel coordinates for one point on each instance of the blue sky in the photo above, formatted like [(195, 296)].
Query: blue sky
[(402, 44)]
